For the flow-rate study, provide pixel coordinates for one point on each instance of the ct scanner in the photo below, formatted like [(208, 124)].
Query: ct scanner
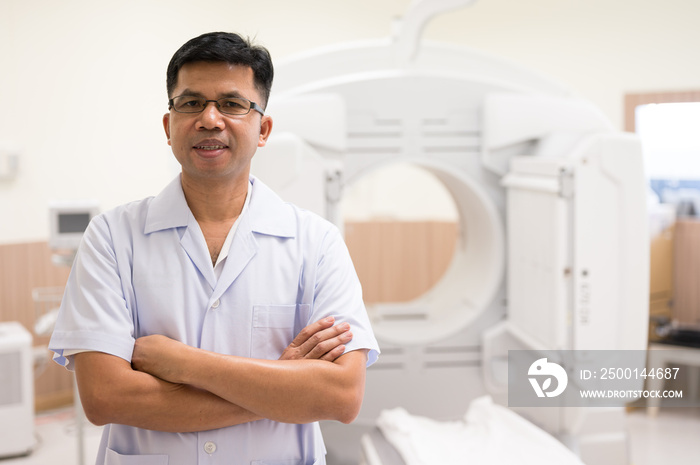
[(553, 246)]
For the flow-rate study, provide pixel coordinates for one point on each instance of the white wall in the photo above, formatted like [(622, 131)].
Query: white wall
[(70, 72), (398, 192)]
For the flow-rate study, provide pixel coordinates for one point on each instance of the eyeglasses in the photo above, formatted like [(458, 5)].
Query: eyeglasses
[(227, 105)]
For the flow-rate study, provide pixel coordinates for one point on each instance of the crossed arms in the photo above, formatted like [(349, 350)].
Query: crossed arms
[(172, 387)]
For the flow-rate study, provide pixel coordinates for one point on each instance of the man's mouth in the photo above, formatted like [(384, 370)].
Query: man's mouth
[(210, 147)]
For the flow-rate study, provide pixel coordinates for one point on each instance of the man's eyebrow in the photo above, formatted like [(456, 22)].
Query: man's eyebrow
[(192, 93), (233, 93)]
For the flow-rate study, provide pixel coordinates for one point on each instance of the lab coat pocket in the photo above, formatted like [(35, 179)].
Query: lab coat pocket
[(273, 328), (113, 458)]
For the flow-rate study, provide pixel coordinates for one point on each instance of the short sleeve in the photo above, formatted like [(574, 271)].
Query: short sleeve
[(94, 315), (338, 293)]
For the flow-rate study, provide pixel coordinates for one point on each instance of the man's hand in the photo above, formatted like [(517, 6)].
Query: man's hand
[(322, 391), (162, 357), (320, 340), (159, 356)]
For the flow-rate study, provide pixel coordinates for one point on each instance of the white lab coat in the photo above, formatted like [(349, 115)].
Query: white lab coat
[(144, 268)]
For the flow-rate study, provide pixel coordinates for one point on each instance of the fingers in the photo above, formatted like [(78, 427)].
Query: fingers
[(323, 341), (310, 330), (329, 344), (319, 340), (334, 353)]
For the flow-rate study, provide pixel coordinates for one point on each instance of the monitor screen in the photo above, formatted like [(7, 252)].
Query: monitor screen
[(68, 220), (73, 222)]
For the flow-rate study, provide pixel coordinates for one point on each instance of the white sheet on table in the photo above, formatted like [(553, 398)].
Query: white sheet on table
[(489, 435)]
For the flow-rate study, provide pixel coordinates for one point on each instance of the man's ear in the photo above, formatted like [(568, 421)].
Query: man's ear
[(265, 130), (166, 125)]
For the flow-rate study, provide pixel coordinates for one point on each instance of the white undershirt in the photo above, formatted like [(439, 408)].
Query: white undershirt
[(220, 261)]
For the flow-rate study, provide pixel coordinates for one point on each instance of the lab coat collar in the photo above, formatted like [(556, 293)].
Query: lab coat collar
[(168, 209), (269, 215)]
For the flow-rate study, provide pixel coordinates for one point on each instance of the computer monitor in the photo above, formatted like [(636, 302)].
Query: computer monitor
[(68, 221)]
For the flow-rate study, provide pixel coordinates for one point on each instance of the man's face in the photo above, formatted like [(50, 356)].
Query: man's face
[(210, 145)]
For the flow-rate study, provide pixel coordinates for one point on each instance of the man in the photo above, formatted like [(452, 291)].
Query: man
[(181, 310)]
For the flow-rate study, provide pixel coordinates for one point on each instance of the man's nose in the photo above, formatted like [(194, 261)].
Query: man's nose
[(210, 117)]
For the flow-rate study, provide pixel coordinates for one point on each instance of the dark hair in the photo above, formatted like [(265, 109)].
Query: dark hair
[(228, 48)]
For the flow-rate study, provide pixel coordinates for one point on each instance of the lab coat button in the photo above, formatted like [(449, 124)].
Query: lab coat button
[(209, 447), (216, 304)]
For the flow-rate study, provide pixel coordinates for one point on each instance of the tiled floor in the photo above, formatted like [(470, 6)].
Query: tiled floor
[(672, 437), (57, 441)]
